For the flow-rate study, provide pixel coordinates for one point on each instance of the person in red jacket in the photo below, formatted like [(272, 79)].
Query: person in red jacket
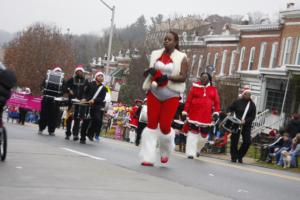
[(202, 102), (134, 119)]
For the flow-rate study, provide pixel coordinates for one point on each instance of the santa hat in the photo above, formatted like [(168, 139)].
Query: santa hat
[(57, 69), (246, 89), (99, 73), (79, 68), (138, 100)]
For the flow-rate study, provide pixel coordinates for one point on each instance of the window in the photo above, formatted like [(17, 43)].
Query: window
[(242, 57), (199, 65), (251, 59), (207, 58), (262, 55), (274, 99), (224, 57), (287, 51), (216, 60), (297, 62), (232, 62), (273, 57)]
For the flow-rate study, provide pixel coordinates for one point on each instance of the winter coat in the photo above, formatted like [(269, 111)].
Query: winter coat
[(201, 102)]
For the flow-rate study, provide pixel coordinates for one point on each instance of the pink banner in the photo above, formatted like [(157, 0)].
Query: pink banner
[(25, 101)]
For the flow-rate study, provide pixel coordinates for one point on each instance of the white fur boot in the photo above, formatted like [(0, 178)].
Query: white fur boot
[(148, 146), (191, 144), (166, 145)]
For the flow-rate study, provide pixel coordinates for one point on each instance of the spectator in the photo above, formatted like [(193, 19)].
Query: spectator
[(293, 126), (281, 144), (292, 155)]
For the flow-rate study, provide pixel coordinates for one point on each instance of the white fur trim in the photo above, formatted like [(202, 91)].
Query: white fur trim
[(166, 143), (99, 73), (216, 113), (191, 144), (132, 136), (148, 145), (154, 84), (57, 69), (184, 113), (200, 86), (199, 123)]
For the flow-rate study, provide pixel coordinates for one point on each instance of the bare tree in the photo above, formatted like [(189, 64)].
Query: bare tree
[(34, 51)]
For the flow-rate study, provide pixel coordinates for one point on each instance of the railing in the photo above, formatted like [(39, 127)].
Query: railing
[(266, 121), (259, 122)]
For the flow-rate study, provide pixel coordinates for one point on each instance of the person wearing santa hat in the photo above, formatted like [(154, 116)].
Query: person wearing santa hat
[(202, 102), (49, 114), (168, 70), (95, 96), (245, 110), (142, 121), (75, 88)]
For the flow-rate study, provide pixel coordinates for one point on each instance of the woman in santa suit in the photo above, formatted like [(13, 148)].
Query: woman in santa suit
[(202, 101), (168, 70)]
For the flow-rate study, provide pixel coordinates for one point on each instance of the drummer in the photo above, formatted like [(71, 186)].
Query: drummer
[(245, 110), (94, 95), (49, 114), (202, 99), (75, 87)]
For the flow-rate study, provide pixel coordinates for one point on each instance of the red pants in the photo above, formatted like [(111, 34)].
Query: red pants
[(161, 112)]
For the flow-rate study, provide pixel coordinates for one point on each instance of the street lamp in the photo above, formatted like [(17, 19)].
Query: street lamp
[(110, 35)]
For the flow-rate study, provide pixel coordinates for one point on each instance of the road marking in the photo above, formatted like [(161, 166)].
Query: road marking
[(19, 167), (83, 154), (244, 168), (211, 175), (241, 190), (223, 163)]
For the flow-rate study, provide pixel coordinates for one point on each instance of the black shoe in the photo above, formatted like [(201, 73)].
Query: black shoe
[(190, 157), (75, 138), (51, 134), (90, 138), (67, 138), (233, 160), (198, 154), (82, 142), (240, 160)]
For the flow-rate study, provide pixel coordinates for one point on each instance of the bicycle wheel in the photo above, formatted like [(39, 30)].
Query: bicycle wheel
[(3, 144)]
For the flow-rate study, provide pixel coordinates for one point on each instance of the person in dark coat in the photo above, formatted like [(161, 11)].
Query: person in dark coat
[(7, 81), (50, 112), (75, 88), (293, 126), (94, 95), (239, 108)]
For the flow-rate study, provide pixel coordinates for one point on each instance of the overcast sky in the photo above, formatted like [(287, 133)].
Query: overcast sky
[(85, 16)]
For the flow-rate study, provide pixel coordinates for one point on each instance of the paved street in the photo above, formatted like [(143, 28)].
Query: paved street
[(45, 167)]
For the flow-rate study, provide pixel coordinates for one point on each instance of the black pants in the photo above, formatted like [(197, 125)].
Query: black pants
[(246, 136), (76, 126), (49, 114), (22, 115), (92, 127), (139, 131)]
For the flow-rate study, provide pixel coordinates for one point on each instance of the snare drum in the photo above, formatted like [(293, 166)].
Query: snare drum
[(231, 124), (62, 102), (177, 124), (83, 110), (53, 84)]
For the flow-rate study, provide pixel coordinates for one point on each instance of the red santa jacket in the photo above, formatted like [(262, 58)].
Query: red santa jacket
[(202, 101), (134, 121)]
